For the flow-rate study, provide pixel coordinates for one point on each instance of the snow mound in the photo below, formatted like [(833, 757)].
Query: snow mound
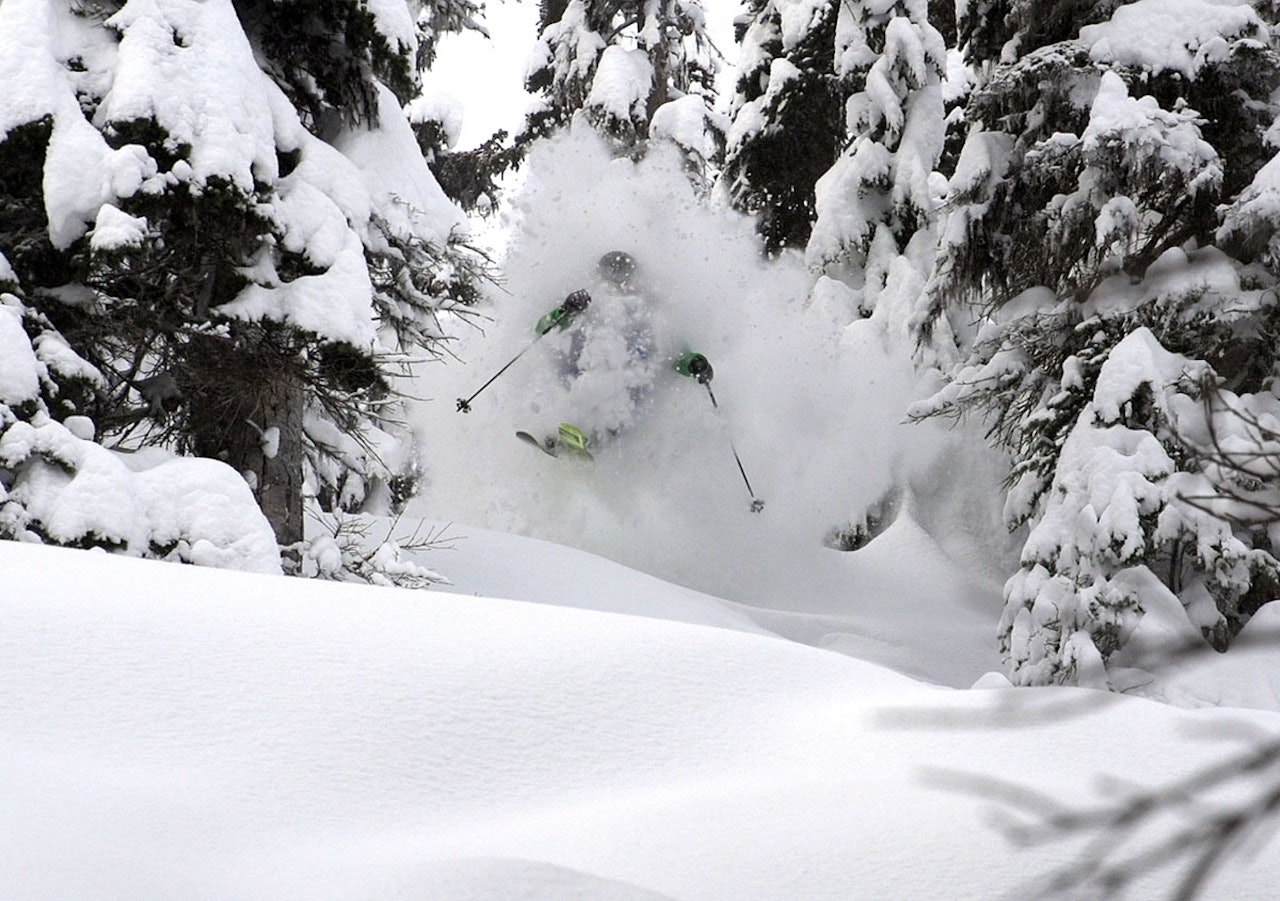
[(174, 731), (79, 493), (1247, 676)]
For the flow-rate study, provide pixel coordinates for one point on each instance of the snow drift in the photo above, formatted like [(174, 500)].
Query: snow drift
[(171, 731)]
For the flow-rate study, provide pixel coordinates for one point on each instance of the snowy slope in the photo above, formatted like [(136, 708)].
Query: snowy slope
[(931, 619), (177, 732), (492, 564)]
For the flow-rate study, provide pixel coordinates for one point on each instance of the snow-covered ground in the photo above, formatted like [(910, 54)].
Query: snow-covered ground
[(169, 731)]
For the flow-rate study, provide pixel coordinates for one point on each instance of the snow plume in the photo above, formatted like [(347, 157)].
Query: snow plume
[(815, 412)]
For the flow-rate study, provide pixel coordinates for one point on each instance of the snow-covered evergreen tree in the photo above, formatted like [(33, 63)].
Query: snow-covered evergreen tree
[(634, 70), (40, 378), (1106, 138), (59, 486), (877, 205), (237, 229), (1106, 465), (787, 116)]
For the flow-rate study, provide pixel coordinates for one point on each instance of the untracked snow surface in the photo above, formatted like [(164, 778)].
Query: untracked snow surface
[(169, 731)]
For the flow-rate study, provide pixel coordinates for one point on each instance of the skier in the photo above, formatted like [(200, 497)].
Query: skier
[(610, 361)]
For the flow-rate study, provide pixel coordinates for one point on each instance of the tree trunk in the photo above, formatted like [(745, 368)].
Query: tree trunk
[(246, 409), (660, 59), (279, 459)]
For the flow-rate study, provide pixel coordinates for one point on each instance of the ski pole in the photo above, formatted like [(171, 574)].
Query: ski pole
[(756, 503), (464, 403), (561, 316)]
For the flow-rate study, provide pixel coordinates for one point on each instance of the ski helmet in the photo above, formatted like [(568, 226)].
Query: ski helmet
[(617, 267)]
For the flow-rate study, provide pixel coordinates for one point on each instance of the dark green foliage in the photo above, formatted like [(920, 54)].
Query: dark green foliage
[(147, 133), (326, 54), (24, 236), (153, 352), (567, 92), (1031, 414), (993, 31), (942, 16), (156, 307), (772, 173), (65, 387), (24, 241), (470, 177), (349, 370), (1035, 208)]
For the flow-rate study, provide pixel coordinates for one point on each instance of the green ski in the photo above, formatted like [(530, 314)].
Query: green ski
[(570, 441)]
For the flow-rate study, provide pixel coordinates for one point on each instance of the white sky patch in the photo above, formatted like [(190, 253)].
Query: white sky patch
[(488, 75)]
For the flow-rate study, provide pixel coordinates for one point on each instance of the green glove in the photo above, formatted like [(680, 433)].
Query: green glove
[(696, 366), (563, 315)]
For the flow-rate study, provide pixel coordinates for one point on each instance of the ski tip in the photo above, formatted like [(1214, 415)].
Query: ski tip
[(528, 438)]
